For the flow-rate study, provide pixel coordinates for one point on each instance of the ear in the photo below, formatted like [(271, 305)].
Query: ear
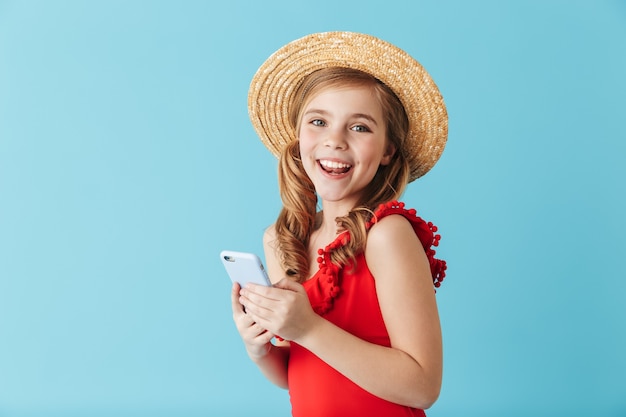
[(389, 153)]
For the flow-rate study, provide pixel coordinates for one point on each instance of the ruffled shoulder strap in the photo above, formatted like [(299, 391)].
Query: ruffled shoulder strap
[(324, 287), (425, 231)]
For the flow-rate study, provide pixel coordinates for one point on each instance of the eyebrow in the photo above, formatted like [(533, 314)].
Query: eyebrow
[(355, 115)]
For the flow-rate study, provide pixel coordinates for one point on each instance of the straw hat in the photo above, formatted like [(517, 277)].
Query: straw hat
[(273, 85)]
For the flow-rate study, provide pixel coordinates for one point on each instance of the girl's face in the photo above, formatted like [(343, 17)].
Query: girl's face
[(343, 142)]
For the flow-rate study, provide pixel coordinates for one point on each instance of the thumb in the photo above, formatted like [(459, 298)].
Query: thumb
[(287, 284)]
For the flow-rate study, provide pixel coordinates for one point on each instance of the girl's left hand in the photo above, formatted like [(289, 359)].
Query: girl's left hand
[(283, 309)]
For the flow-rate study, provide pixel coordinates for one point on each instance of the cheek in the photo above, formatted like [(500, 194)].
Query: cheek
[(375, 155), (306, 155), (306, 144)]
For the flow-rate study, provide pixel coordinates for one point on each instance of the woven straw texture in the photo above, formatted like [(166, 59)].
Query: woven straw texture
[(272, 87)]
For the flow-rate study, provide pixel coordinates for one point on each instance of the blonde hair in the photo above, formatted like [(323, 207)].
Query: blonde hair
[(296, 221)]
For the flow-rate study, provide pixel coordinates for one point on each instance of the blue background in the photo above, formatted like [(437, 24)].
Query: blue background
[(127, 162)]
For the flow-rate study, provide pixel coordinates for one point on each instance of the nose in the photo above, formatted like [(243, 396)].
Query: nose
[(335, 139)]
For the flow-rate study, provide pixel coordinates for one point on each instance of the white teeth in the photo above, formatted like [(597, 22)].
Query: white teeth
[(333, 164)]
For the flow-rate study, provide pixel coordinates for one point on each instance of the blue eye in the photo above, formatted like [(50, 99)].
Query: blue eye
[(318, 122), (360, 128)]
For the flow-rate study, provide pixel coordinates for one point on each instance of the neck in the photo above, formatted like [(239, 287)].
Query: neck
[(333, 209), (330, 211)]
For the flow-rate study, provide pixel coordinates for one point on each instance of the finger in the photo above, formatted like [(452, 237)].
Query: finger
[(255, 303), (234, 297), (258, 332), (252, 331), (243, 319), (247, 327), (265, 338), (256, 313), (261, 290), (287, 284), (256, 335)]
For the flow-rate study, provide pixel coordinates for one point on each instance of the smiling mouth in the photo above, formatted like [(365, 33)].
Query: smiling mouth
[(334, 167)]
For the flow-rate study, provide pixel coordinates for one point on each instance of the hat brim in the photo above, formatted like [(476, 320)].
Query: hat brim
[(272, 88)]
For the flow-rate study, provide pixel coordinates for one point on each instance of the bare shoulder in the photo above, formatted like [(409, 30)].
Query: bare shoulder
[(272, 255), (392, 244), (270, 234), (393, 230)]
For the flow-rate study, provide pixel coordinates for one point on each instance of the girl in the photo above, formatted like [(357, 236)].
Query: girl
[(350, 325)]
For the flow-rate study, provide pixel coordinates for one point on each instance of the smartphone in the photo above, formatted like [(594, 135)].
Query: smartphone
[(243, 267)]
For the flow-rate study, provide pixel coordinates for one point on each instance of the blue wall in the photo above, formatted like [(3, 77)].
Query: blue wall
[(127, 162)]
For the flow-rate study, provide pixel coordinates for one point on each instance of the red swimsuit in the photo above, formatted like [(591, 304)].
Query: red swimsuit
[(348, 299)]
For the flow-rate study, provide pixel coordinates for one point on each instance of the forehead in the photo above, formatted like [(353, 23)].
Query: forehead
[(353, 98)]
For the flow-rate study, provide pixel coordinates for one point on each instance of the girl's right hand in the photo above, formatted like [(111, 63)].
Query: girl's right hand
[(256, 339)]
